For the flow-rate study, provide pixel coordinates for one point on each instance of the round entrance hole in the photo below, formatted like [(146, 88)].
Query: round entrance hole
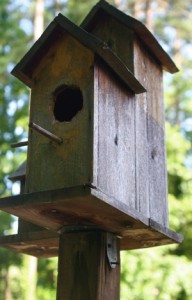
[(67, 103)]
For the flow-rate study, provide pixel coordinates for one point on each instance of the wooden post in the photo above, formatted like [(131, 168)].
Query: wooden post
[(84, 271)]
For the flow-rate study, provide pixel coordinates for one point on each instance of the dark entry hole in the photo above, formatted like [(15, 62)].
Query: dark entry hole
[(68, 101)]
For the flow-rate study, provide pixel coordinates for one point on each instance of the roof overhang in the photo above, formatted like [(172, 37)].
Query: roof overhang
[(103, 8), (59, 26)]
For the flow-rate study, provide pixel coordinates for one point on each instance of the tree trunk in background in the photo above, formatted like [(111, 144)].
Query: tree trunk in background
[(142, 10), (137, 9), (121, 5), (149, 15), (179, 59), (57, 6), (32, 262), (117, 3), (38, 19), (7, 294), (31, 278)]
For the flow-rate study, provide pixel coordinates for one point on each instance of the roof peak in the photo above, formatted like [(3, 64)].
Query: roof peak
[(138, 27), (61, 25)]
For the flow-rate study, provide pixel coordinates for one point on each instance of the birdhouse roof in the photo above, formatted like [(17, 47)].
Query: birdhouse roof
[(102, 9), (59, 27)]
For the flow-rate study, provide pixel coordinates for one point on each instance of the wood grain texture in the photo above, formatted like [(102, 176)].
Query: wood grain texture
[(104, 10), (83, 271), (42, 244), (95, 126), (141, 139), (150, 138), (57, 209), (117, 36), (51, 166), (60, 27), (116, 138)]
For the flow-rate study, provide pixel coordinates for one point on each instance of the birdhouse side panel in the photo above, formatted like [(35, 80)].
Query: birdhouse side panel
[(114, 137), (150, 137), (117, 36), (141, 153), (61, 103)]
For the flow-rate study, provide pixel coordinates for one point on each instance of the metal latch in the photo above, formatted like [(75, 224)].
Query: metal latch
[(112, 250)]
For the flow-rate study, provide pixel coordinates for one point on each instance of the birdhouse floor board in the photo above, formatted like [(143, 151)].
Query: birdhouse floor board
[(77, 206), (42, 244), (45, 243)]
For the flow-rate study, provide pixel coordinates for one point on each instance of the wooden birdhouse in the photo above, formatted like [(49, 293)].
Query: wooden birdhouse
[(62, 69), (96, 150)]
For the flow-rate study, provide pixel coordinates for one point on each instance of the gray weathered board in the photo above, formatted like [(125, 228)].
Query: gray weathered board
[(137, 165), (84, 271)]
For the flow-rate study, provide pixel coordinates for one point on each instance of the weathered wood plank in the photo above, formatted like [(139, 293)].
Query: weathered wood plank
[(148, 238), (88, 207), (42, 244), (84, 272), (116, 142), (102, 10), (107, 29), (95, 126), (70, 163), (158, 175), (55, 209), (141, 138), (156, 137), (151, 111)]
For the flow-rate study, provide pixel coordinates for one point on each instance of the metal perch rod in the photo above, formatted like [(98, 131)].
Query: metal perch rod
[(19, 144), (46, 133)]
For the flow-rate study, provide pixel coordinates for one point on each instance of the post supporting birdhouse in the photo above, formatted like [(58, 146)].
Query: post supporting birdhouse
[(89, 265)]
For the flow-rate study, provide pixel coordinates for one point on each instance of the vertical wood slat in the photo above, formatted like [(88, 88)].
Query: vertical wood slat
[(141, 138), (157, 155), (116, 138), (83, 270), (95, 126), (151, 110)]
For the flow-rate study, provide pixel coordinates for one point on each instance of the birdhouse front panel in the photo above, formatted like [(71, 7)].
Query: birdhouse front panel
[(150, 137), (61, 103)]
